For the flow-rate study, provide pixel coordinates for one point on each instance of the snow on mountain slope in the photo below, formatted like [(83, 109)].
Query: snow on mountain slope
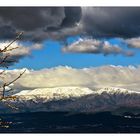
[(75, 99), (114, 90), (68, 92), (57, 92)]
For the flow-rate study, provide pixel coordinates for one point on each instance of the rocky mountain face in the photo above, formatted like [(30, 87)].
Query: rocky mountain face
[(72, 99)]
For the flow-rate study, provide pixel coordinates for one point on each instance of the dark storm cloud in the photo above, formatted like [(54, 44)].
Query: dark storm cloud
[(40, 23), (29, 19), (7, 32), (72, 16), (43, 21), (111, 21)]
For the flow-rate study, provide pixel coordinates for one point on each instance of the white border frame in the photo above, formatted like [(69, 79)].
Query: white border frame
[(109, 3), (69, 2)]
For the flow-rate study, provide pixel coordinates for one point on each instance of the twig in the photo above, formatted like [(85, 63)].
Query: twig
[(16, 78), (17, 37), (4, 59), (10, 49), (7, 84), (2, 72)]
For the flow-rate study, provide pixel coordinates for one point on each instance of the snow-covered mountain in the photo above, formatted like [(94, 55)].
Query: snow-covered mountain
[(68, 92), (57, 93), (75, 99), (114, 90)]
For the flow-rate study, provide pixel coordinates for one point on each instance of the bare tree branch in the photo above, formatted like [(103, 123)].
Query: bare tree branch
[(6, 49), (8, 84), (2, 72), (17, 37), (5, 60)]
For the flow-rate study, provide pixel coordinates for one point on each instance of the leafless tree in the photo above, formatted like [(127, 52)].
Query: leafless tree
[(6, 60)]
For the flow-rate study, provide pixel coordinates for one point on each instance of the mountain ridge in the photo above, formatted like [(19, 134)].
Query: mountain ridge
[(70, 91), (72, 99)]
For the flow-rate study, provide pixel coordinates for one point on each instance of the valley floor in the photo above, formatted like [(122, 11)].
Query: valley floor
[(64, 122)]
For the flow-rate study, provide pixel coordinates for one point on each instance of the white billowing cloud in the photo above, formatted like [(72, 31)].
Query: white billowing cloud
[(95, 46), (59, 76), (98, 77), (20, 48), (133, 42), (16, 54), (105, 88)]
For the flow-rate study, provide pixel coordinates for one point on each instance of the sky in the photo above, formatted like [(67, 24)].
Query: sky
[(92, 47), (78, 37), (51, 56)]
